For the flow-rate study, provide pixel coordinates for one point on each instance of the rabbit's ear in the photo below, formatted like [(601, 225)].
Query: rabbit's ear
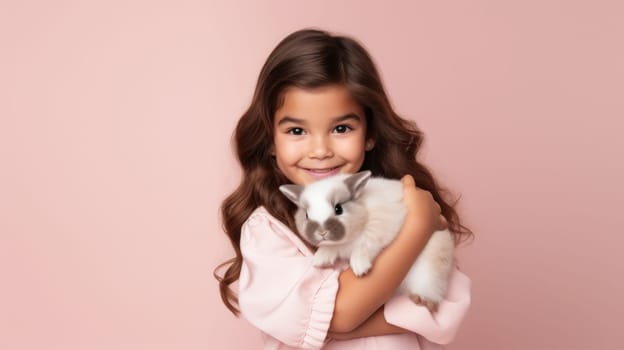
[(292, 192), (355, 183)]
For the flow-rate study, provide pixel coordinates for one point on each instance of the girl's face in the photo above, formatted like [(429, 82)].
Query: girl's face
[(319, 133)]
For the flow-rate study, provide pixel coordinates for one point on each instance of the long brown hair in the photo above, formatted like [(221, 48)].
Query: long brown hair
[(310, 59)]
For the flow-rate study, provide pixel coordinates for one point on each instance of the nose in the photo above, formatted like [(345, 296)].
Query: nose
[(320, 148)]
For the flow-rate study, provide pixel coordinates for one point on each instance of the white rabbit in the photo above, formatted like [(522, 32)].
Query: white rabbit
[(354, 216)]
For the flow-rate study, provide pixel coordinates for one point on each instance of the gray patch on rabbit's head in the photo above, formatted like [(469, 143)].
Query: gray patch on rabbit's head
[(311, 227), (336, 229)]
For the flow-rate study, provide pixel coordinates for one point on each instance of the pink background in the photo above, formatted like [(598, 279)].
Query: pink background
[(115, 122)]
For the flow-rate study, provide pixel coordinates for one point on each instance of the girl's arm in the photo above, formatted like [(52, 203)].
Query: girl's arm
[(359, 297), (373, 326)]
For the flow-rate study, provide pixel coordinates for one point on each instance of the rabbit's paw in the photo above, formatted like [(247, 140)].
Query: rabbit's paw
[(428, 303), (324, 258), (360, 263)]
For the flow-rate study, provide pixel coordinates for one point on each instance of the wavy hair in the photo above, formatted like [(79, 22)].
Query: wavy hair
[(309, 59)]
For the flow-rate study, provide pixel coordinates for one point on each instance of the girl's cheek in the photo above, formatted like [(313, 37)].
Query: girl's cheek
[(290, 151), (354, 146)]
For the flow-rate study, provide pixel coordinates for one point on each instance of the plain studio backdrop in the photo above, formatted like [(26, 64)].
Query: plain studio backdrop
[(115, 126)]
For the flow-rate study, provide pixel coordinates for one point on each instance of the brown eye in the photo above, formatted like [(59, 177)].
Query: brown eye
[(342, 128), (338, 209), (295, 131)]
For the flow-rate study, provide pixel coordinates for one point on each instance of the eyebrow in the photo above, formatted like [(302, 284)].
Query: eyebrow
[(289, 119)]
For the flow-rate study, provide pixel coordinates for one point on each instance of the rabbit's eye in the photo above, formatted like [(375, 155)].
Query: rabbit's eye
[(338, 209)]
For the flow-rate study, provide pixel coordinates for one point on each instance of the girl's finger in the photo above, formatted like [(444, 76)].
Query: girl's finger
[(408, 180)]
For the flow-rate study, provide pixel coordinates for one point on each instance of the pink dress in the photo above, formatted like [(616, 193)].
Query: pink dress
[(291, 302)]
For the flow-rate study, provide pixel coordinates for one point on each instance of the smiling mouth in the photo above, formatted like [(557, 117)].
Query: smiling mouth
[(323, 173)]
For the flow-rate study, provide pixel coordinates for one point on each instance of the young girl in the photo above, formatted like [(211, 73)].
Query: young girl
[(320, 109)]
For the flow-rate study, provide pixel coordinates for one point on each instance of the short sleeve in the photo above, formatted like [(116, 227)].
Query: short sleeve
[(441, 326), (280, 291)]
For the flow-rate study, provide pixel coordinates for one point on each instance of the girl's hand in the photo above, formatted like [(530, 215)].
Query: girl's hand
[(422, 209)]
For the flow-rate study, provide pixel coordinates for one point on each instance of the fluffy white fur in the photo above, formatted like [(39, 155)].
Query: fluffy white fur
[(372, 215)]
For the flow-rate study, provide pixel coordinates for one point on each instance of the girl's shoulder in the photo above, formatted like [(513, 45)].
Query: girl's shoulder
[(259, 214), (261, 218), (262, 232)]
